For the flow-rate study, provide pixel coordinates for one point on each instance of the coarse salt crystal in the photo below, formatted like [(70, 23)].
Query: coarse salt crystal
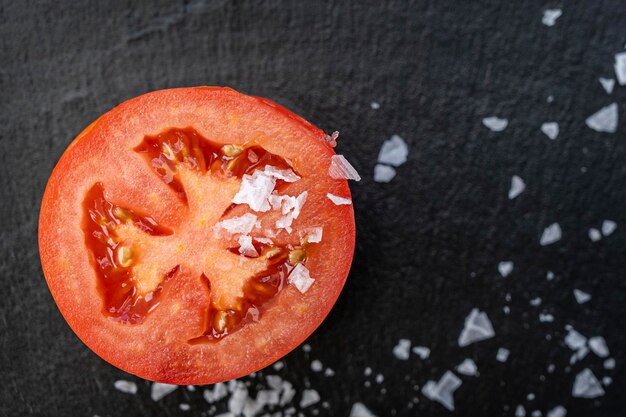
[(608, 227), (550, 129), (309, 397), (237, 400), (467, 367), (575, 340), (264, 240), (255, 191), (604, 120), (383, 173), (502, 355), (550, 235), (367, 371), (550, 276), (127, 387), (394, 151), (288, 392), (546, 317), (558, 411), (375, 105), (401, 350), (495, 124), (586, 385), (339, 201), (160, 390), (278, 365), (535, 302), (536, 413), (609, 363), (312, 235), (422, 351), (620, 67), (505, 268), (607, 84), (594, 234), (360, 410), (341, 169), (443, 391), (520, 411), (550, 16), (581, 296), (329, 372), (316, 366), (184, 407), (242, 224), (246, 247), (380, 379), (607, 380), (517, 187), (477, 327), (300, 278), (219, 391), (286, 175), (597, 344)]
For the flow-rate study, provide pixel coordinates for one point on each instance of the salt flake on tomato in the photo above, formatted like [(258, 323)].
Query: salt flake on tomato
[(242, 224), (246, 247), (340, 201), (286, 175), (341, 169), (301, 278), (313, 235), (255, 191)]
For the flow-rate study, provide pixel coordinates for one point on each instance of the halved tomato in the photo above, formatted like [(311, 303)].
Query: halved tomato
[(187, 235)]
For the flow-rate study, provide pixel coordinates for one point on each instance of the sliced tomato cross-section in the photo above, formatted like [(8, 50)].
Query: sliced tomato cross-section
[(187, 237)]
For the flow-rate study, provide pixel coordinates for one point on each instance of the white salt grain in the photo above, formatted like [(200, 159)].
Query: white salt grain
[(581, 296), (520, 411), (609, 363), (278, 365), (586, 385), (340, 201), (313, 234), (443, 391), (341, 169), (401, 350), (360, 410), (558, 411), (594, 234), (607, 84), (242, 224), (255, 191), (604, 120), (607, 380), (269, 397), (219, 391), (394, 151), (383, 173), (477, 327), (550, 235), (288, 392), (517, 187), (306, 347), (536, 413), (184, 407), (502, 355), (575, 340), (608, 227), (530, 396), (467, 367), (286, 175), (367, 371), (550, 16), (495, 124), (422, 351), (316, 366), (375, 105), (550, 276), (505, 268), (246, 247), (546, 317), (597, 344), (329, 372), (300, 278), (550, 129), (237, 400), (620, 67), (309, 397), (379, 378), (535, 302), (159, 390), (127, 387)]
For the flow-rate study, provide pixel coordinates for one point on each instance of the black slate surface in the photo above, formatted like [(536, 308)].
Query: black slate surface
[(428, 243)]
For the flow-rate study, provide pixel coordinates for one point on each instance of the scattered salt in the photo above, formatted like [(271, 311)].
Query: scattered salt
[(530, 396), (517, 187), (191, 388), (536, 413), (237, 400), (581, 296), (127, 387), (550, 16), (502, 355), (597, 344), (608, 227), (242, 224), (184, 407), (586, 385), (422, 351), (309, 397), (219, 391), (246, 247), (286, 175), (551, 234), (379, 378), (394, 151), (520, 411), (467, 367), (607, 380), (604, 120), (546, 317), (477, 327), (383, 173), (255, 190), (159, 390), (313, 234), (609, 363), (401, 350), (607, 84), (270, 397), (594, 234), (278, 365), (375, 105), (360, 410), (443, 391), (551, 368), (495, 124), (300, 278), (306, 347), (575, 340), (288, 392), (550, 129), (316, 366), (620, 67), (367, 371), (264, 240), (535, 302), (329, 372), (338, 200), (341, 169), (505, 268), (578, 355), (550, 276)]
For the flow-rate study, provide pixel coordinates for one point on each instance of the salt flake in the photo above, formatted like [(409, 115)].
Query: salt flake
[(383, 173), (609, 363), (558, 411), (309, 397), (316, 366), (246, 247), (313, 234), (520, 411), (517, 187), (255, 191), (546, 317), (502, 355), (575, 340), (360, 410), (550, 235), (300, 278), (581, 296), (394, 151), (597, 344), (443, 391), (604, 120), (467, 367), (375, 105), (586, 385), (606, 381), (401, 350), (242, 224), (607, 84), (286, 175), (505, 268), (594, 234), (237, 400), (477, 327), (620, 67), (608, 227), (127, 387), (495, 124), (339, 201), (341, 169), (422, 351), (550, 129), (160, 390), (550, 16)]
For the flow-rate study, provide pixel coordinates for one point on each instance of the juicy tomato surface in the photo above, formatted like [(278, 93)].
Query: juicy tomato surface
[(187, 237)]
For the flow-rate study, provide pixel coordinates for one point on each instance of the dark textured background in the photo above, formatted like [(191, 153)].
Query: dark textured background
[(428, 242)]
